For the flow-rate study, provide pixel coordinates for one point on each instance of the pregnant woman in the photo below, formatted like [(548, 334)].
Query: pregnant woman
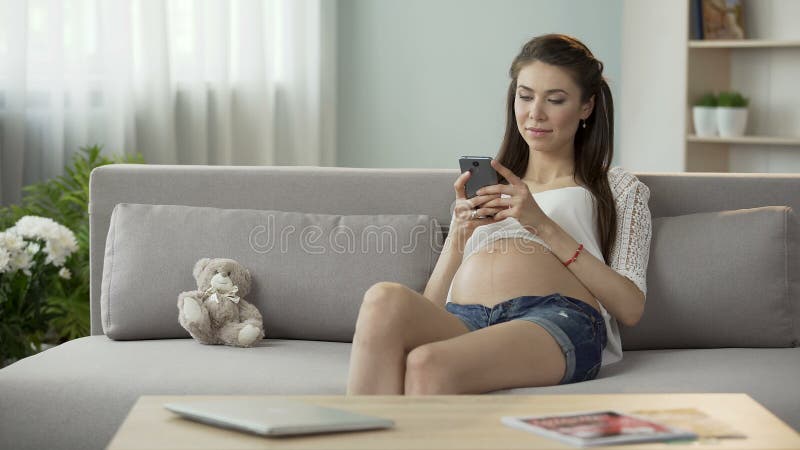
[(537, 271)]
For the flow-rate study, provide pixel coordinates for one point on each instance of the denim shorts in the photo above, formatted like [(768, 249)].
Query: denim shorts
[(577, 327)]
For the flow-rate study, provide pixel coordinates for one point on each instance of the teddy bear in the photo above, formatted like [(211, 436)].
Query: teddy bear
[(217, 313)]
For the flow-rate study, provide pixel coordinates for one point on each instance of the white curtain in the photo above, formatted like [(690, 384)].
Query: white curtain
[(179, 81)]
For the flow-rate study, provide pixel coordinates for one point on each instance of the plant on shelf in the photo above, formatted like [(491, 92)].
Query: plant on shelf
[(731, 114), (55, 307), (707, 100), (732, 100), (704, 115)]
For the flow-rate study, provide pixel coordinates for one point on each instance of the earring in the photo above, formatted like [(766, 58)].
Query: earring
[(584, 123)]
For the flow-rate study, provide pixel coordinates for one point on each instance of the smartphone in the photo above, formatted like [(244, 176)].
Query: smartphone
[(482, 173)]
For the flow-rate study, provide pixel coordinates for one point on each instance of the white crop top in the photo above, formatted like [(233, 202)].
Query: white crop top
[(572, 208)]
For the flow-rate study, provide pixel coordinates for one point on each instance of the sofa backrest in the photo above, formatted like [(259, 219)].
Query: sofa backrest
[(339, 190)]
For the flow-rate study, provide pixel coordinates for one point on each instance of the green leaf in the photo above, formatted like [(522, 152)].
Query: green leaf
[(61, 305)]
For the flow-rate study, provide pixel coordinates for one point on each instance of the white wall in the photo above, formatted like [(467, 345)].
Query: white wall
[(654, 72), (421, 82)]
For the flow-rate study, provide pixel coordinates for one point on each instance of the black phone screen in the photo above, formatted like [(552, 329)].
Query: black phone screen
[(482, 173)]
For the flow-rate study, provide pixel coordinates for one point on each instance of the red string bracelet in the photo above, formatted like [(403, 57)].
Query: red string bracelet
[(574, 257)]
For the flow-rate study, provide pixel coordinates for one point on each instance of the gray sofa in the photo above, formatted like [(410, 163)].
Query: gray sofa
[(723, 311)]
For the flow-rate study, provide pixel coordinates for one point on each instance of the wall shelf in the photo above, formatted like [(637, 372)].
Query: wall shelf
[(761, 140), (744, 43), (659, 49), (762, 67)]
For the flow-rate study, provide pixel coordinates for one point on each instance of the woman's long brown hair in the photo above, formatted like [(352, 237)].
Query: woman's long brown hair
[(594, 145)]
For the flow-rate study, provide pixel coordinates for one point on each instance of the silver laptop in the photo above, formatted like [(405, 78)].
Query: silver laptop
[(274, 417)]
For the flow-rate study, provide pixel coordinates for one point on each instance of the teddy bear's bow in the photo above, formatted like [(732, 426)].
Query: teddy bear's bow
[(216, 295)]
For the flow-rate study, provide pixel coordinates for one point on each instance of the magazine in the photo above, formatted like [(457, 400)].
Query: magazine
[(706, 428), (589, 429)]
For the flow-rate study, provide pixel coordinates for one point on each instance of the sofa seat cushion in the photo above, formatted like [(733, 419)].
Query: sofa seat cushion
[(769, 375), (82, 390)]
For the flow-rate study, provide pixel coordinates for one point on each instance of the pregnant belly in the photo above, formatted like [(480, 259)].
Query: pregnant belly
[(512, 269)]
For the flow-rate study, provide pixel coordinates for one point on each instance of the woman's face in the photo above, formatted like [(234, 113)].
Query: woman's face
[(548, 107)]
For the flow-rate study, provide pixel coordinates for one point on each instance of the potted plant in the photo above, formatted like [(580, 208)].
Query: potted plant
[(33, 254), (731, 114), (41, 303), (704, 113)]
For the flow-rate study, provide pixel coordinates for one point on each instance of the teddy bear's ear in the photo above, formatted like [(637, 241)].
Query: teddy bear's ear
[(199, 266), (247, 276)]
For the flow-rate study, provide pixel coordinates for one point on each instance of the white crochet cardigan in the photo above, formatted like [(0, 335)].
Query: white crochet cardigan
[(631, 250)]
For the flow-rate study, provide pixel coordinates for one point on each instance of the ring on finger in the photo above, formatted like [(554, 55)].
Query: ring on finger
[(474, 214)]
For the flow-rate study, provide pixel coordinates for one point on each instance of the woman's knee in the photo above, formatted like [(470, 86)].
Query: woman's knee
[(427, 372), (384, 298), (382, 290), (381, 309)]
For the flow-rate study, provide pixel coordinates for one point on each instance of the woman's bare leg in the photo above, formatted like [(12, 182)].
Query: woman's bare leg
[(392, 321)]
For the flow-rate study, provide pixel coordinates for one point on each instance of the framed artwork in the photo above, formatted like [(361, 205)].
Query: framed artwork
[(723, 19)]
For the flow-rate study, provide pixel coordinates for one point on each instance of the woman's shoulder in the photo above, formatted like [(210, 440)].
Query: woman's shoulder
[(623, 181), (619, 173)]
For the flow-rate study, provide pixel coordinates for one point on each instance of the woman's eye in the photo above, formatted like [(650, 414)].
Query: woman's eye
[(553, 101)]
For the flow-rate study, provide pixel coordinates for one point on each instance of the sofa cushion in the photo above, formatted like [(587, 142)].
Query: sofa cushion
[(768, 375), (310, 271), (103, 379), (76, 395), (719, 279)]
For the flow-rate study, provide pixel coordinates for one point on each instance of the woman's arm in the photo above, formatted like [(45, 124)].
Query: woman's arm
[(461, 228), (619, 295), (446, 267)]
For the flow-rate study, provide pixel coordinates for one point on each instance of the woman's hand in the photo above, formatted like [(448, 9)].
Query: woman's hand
[(519, 205), (463, 223)]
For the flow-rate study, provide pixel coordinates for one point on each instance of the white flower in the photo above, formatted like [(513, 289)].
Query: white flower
[(65, 273), (11, 241), (4, 259), (35, 227), (19, 252), (21, 260), (58, 250), (33, 248), (60, 241)]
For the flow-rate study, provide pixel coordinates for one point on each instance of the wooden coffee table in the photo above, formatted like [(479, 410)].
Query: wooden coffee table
[(450, 422)]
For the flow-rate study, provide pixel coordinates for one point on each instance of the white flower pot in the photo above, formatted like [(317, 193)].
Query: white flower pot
[(705, 120), (731, 121)]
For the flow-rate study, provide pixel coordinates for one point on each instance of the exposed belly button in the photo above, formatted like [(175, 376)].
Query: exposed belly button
[(518, 274)]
